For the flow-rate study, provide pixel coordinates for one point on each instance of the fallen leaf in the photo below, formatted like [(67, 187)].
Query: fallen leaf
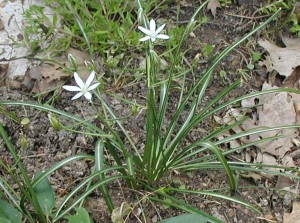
[(249, 156), (3, 73), (294, 216), (2, 4), (212, 6), (269, 160), (1, 25), (44, 78), (283, 182), (295, 154), (184, 3), (81, 58), (269, 218), (296, 100), (120, 212), (255, 176), (288, 161), (292, 81), (282, 59), (275, 109)]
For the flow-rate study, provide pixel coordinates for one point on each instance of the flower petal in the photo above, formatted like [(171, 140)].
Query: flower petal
[(88, 95), (93, 86), (162, 36), (145, 31), (71, 88), (145, 38), (79, 81), (78, 95), (160, 29), (90, 79), (152, 26)]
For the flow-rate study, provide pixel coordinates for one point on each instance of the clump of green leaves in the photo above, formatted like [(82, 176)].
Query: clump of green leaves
[(290, 16), (105, 27), (273, 6), (40, 32)]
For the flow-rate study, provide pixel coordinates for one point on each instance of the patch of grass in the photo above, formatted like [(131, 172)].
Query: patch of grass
[(41, 31)]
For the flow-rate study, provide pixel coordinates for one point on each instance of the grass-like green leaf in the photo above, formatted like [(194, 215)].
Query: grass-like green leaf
[(60, 212), (176, 203), (45, 195), (186, 218), (27, 192), (49, 108), (213, 194), (99, 166)]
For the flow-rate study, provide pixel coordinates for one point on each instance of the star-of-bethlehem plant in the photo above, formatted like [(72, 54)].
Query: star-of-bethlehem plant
[(152, 33), (83, 88), (164, 150)]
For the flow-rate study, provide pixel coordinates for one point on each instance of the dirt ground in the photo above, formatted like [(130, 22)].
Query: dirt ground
[(47, 146)]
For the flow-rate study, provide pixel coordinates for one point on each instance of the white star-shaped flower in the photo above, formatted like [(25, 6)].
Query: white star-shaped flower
[(83, 88), (153, 33)]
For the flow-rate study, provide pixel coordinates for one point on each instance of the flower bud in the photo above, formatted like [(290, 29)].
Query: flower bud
[(73, 62), (55, 122), (23, 142)]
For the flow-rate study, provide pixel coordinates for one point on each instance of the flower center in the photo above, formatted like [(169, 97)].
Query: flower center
[(84, 89)]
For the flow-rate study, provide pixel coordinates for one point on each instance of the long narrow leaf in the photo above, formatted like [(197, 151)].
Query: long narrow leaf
[(91, 189), (56, 111), (59, 165), (30, 196), (174, 202), (206, 76), (222, 159), (213, 194), (99, 166)]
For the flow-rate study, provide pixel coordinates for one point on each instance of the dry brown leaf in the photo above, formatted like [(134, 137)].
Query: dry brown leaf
[(283, 60), (44, 78), (276, 109), (3, 4), (283, 182), (288, 161), (292, 81), (184, 3), (294, 216), (120, 212), (52, 76), (256, 177), (212, 6), (1, 25), (269, 160), (268, 218), (81, 58), (3, 73)]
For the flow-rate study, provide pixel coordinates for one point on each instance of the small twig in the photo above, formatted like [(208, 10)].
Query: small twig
[(34, 156), (247, 17), (16, 58)]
